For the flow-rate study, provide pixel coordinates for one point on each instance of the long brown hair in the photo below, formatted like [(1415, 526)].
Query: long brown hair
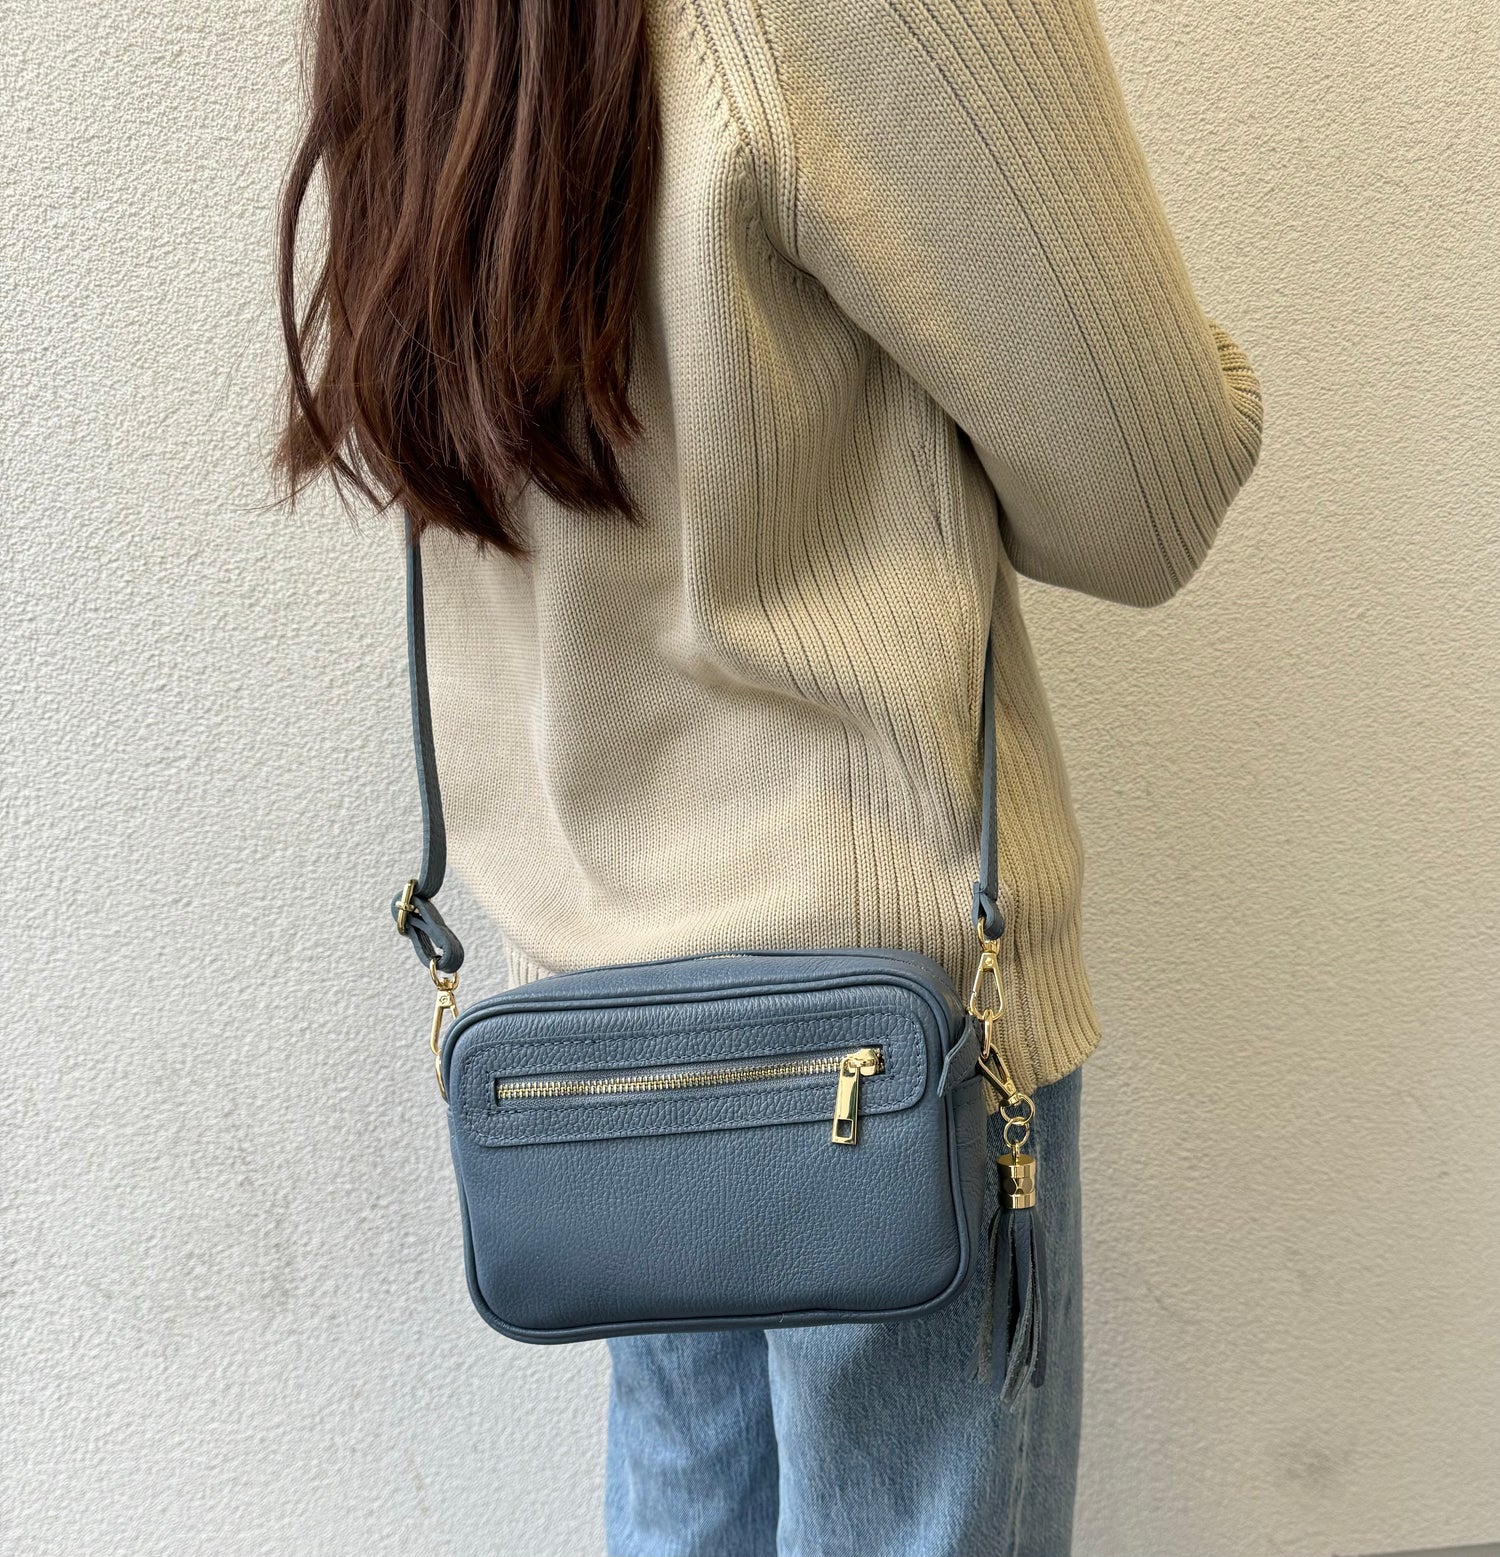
[(489, 167)]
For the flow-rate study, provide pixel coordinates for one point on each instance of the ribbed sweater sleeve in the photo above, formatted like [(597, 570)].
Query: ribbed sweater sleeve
[(963, 178)]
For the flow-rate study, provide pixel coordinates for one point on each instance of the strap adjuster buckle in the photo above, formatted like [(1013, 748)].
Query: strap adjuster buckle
[(406, 904)]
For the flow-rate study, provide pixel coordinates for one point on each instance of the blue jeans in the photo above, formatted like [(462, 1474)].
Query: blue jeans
[(857, 1440)]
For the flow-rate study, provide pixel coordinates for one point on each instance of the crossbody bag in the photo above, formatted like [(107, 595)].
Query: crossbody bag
[(751, 1138)]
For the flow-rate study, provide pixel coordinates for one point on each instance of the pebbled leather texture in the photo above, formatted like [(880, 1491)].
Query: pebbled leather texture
[(708, 1206), (717, 1206)]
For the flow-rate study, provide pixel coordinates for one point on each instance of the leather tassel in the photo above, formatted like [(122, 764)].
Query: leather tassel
[(1026, 1349), (1011, 1349), (994, 1320)]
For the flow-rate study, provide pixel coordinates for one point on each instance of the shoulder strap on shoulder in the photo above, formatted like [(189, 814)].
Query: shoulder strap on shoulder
[(413, 907)]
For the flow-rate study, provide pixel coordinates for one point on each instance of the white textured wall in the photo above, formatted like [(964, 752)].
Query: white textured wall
[(233, 1316)]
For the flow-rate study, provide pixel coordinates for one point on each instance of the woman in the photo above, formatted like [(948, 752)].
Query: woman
[(733, 357)]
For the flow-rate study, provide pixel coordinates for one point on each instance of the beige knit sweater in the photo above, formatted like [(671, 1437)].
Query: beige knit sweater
[(908, 259)]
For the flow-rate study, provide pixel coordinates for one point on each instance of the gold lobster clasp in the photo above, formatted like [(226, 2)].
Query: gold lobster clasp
[(991, 1062), (447, 1005), (989, 963)]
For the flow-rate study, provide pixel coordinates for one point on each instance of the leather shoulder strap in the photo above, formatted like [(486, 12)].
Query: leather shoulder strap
[(413, 908), (989, 918)]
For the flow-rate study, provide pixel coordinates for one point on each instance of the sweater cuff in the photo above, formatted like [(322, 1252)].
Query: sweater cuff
[(1244, 394)]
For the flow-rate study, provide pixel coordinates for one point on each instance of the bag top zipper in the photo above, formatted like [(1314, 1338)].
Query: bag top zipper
[(849, 1066)]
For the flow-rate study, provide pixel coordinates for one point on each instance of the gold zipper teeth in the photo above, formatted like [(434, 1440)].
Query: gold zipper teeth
[(668, 1081)]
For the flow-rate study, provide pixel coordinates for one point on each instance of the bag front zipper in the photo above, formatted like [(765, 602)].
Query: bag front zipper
[(848, 1067)]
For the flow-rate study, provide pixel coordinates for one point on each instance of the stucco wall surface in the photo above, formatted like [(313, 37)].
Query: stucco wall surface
[(233, 1313)]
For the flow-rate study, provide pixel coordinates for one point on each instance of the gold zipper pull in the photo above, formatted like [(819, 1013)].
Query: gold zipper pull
[(863, 1062), (447, 1004)]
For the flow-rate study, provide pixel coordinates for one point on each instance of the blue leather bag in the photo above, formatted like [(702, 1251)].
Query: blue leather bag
[(757, 1138)]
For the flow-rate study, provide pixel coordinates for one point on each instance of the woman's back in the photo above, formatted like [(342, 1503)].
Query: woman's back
[(905, 256)]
